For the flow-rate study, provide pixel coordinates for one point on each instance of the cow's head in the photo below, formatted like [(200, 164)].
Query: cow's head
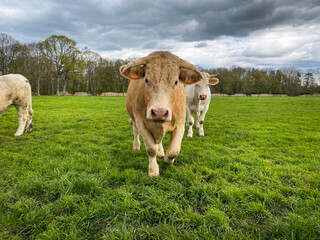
[(163, 73), (202, 86)]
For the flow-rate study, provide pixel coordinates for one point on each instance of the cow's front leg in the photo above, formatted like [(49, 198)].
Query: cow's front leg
[(22, 117), (151, 147), (152, 150), (190, 122), (174, 144), (201, 121)]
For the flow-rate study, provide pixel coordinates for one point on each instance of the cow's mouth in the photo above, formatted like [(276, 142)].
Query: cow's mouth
[(158, 121)]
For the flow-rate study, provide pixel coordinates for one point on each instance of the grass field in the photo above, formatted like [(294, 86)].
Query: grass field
[(255, 175)]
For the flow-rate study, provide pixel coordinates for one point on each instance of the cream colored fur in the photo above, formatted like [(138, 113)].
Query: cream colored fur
[(15, 90), (197, 106)]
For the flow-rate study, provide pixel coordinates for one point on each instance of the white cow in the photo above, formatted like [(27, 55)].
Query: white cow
[(15, 90), (198, 99)]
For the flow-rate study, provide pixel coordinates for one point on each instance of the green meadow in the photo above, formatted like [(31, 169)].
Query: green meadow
[(255, 174)]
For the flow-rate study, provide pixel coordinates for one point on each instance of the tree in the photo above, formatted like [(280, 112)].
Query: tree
[(91, 62), (290, 81), (260, 83), (8, 51), (62, 52), (309, 84)]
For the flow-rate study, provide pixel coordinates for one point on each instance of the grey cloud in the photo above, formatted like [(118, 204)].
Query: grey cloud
[(201, 45), (110, 25), (157, 45)]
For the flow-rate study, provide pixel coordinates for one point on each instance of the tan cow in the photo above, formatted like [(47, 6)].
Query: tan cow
[(156, 103), (15, 90)]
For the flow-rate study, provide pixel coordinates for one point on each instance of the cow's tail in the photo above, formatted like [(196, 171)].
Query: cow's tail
[(29, 108), (30, 114)]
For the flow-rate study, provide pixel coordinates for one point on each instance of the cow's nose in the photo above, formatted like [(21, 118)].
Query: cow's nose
[(159, 114), (203, 96)]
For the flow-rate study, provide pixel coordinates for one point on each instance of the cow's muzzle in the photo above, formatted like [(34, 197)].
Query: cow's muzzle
[(159, 114), (203, 96)]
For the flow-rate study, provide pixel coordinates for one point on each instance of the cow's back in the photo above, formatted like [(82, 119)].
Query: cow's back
[(13, 88), (12, 80)]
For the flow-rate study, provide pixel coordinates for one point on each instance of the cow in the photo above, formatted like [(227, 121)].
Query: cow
[(15, 90), (156, 103), (198, 99)]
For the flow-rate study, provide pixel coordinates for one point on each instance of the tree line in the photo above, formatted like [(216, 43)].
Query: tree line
[(56, 66)]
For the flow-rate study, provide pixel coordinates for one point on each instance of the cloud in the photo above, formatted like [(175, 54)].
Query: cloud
[(208, 32), (276, 47), (201, 45)]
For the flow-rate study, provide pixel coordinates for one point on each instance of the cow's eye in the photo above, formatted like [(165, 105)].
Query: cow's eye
[(176, 82), (146, 80)]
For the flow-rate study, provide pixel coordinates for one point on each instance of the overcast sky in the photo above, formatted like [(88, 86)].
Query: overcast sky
[(208, 33)]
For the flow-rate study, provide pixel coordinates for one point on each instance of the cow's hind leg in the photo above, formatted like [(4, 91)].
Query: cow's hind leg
[(190, 122), (136, 140), (160, 151), (198, 115), (22, 117), (29, 119), (174, 145)]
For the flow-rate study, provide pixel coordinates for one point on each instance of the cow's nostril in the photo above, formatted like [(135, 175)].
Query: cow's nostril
[(159, 114), (203, 96), (166, 114), (153, 114)]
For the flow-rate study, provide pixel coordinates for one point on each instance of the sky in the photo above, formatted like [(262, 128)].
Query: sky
[(207, 33)]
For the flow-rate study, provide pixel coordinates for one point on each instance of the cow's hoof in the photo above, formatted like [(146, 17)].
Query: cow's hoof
[(189, 136), (136, 146), (17, 134), (160, 153), (29, 128), (168, 160), (154, 171), (154, 174)]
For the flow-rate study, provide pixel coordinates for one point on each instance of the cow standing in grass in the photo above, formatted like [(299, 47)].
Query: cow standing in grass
[(15, 90), (198, 100), (156, 103)]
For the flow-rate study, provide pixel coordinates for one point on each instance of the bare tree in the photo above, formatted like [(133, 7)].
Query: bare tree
[(8, 52), (91, 61)]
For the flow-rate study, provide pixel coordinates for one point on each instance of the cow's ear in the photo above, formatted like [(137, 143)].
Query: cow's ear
[(134, 70), (213, 80), (133, 73), (189, 74)]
